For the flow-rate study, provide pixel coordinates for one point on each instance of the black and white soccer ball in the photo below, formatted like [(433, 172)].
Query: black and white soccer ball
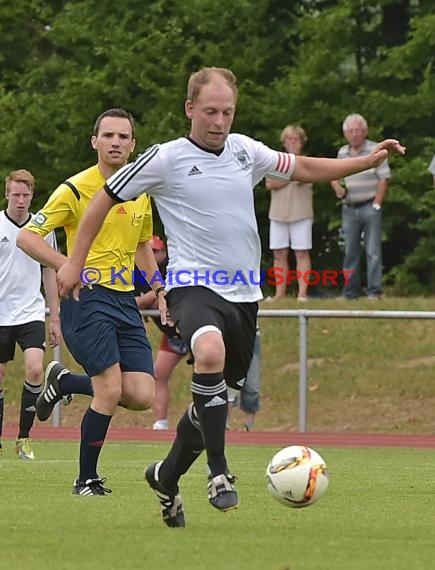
[(297, 476)]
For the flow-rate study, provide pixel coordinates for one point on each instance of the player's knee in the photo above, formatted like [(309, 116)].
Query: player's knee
[(109, 397), (141, 397), (34, 373), (209, 352), (145, 399)]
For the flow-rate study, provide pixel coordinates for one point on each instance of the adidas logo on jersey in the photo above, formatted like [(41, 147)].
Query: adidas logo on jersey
[(216, 401), (5, 240), (121, 210), (193, 171)]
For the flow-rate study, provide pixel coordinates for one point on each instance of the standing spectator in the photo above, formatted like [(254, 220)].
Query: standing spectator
[(22, 306), (172, 348), (248, 399), (431, 169), (291, 219), (104, 330), (202, 185), (362, 194)]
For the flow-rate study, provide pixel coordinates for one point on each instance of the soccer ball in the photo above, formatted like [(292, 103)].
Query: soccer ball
[(297, 476)]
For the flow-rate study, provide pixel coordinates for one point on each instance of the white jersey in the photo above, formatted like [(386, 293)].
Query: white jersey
[(206, 204), (21, 300)]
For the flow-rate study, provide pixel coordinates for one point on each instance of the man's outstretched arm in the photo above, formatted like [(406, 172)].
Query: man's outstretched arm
[(36, 246), (310, 169)]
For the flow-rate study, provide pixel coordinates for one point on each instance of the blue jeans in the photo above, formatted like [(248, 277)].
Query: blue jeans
[(249, 396), (362, 223)]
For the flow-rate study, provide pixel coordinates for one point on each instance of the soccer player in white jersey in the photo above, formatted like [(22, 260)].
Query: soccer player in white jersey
[(22, 307), (202, 186)]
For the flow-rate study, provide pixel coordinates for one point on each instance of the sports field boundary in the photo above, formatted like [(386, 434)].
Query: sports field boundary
[(282, 438)]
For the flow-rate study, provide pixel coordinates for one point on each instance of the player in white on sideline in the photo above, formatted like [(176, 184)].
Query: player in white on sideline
[(22, 307), (202, 186)]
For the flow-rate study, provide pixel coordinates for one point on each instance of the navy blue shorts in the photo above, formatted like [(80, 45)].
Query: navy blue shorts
[(103, 328)]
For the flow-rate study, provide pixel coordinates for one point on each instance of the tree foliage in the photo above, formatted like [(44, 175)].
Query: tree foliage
[(309, 62)]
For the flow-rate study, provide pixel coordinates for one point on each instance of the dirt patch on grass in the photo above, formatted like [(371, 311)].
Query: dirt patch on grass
[(414, 362), (291, 366)]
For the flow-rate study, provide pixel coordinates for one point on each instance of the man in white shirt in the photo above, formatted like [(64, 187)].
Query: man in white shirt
[(362, 194), (22, 307), (202, 186)]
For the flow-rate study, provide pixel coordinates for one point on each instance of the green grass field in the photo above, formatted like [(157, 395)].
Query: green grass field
[(378, 513)]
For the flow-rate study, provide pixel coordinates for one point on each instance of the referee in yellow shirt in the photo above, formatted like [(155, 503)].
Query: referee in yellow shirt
[(103, 330)]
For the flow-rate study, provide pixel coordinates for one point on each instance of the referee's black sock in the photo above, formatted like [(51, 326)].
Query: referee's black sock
[(93, 433), (75, 384), (187, 447), (211, 403), (29, 395)]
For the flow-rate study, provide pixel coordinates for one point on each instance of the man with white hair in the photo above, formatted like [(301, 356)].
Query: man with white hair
[(362, 194)]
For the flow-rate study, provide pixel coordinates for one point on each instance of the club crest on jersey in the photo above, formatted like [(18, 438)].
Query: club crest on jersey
[(39, 219), (243, 159)]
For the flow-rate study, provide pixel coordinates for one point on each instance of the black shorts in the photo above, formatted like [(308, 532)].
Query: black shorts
[(27, 335), (194, 307)]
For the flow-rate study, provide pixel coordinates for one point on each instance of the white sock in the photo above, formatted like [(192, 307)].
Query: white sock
[(161, 424)]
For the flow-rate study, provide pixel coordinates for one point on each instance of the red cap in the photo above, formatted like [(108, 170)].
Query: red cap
[(157, 243)]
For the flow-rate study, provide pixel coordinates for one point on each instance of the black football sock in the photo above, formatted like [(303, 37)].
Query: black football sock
[(93, 433), (187, 447), (210, 398), (75, 384), (29, 395)]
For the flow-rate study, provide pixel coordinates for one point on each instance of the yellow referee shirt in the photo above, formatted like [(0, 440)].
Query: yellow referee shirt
[(114, 248)]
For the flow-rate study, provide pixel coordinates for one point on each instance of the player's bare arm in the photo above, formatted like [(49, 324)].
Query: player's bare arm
[(310, 169), (52, 298), (36, 246), (146, 261), (272, 184)]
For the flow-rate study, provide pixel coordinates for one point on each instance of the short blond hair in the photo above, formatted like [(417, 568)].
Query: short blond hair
[(290, 129), (23, 176), (205, 75)]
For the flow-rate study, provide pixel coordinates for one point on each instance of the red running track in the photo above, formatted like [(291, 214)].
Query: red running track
[(246, 438)]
